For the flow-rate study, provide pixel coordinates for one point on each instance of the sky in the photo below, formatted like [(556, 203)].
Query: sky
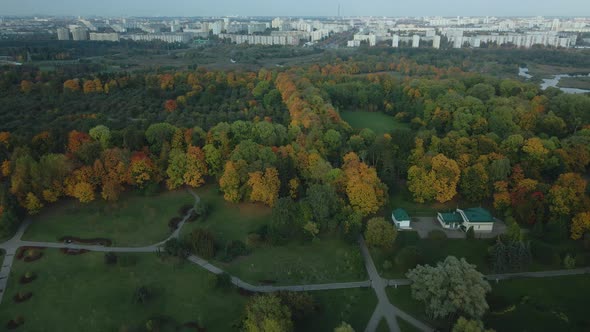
[(296, 7)]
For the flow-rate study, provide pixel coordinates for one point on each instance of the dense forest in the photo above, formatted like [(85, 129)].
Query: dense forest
[(276, 137)]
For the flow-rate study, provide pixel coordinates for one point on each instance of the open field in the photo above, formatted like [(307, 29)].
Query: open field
[(547, 304), (82, 293), (228, 221), (380, 123), (134, 220), (325, 261), (99, 297), (575, 82)]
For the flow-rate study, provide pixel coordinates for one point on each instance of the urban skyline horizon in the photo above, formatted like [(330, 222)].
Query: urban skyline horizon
[(301, 8)]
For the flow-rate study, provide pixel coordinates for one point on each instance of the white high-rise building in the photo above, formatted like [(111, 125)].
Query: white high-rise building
[(395, 42), (436, 42), (416, 41), (80, 33), (63, 34)]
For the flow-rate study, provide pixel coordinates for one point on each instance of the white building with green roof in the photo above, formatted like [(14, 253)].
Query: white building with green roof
[(480, 219), (401, 219)]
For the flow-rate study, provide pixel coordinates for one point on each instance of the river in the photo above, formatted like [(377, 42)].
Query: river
[(553, 81)]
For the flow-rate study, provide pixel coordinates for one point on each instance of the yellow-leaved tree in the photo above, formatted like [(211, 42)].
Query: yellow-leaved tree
[(365, 191), (265, 186), (580, 225)]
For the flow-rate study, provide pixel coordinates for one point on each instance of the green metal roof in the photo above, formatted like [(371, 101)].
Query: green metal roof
[(478, 215), (452, 217), (400, 214)]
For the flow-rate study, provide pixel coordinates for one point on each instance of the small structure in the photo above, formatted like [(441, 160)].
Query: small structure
[(479, 218), (401, 219)]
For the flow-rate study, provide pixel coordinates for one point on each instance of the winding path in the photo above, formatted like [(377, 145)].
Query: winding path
[(384, 307)]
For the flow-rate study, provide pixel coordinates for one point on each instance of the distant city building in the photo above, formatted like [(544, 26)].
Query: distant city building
[(165, 37), (79, 33), (436, 42), (416, 41), (395, 42), (63, 34), (114, 37)]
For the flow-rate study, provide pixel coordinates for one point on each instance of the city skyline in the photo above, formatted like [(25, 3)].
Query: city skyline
[(300, 8)]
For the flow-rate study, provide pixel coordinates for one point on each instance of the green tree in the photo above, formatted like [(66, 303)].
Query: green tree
[(468, 325), (344, 327), (380, 233), (451, 287), (266, 313), (101, 134)]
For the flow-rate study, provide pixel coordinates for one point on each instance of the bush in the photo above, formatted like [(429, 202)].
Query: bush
[(408, 258), (437, 234), (223, 281), (142, 295), (234, 249), (202, 210), (110, 258), (202, 243), (176, 248), (569, 262)]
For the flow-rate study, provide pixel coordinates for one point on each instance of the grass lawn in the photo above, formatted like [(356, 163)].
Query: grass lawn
[(81, 293), (134, 220), (404, 326), (431, 252), (401, 297), (380, 123), (383, 327), (326, 261), (548, 304), (228, 221), (353, 306)]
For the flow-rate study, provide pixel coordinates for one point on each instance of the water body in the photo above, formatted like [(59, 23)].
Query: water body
[(553, 81)]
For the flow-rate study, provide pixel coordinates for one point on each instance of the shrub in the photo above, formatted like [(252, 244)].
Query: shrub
[(202, 243), (301, 304), (223, 281), (177, 248), (234, 249), (202, 210), (110, 258), (408, 258), (437, 234), (569, 262), (142, 295)]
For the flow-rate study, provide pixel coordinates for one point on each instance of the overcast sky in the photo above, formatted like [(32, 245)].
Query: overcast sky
[(296, 7)]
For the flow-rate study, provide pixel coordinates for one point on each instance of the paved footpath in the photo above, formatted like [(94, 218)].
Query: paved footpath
[(384, 308)]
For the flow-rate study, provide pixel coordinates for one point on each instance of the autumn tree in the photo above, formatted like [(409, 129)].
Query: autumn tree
[(196, 167), (580, 225), (438, 180), (265, 186), (380, 233), (230, 183), (567, 195), (76, 139), (365, 191), (141, 170), (33, 204)]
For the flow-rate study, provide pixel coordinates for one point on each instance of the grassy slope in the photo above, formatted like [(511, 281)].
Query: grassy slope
[(326, 261), (547, 304), (132, 221), (229, 221), (380, 123), (81, 293)]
